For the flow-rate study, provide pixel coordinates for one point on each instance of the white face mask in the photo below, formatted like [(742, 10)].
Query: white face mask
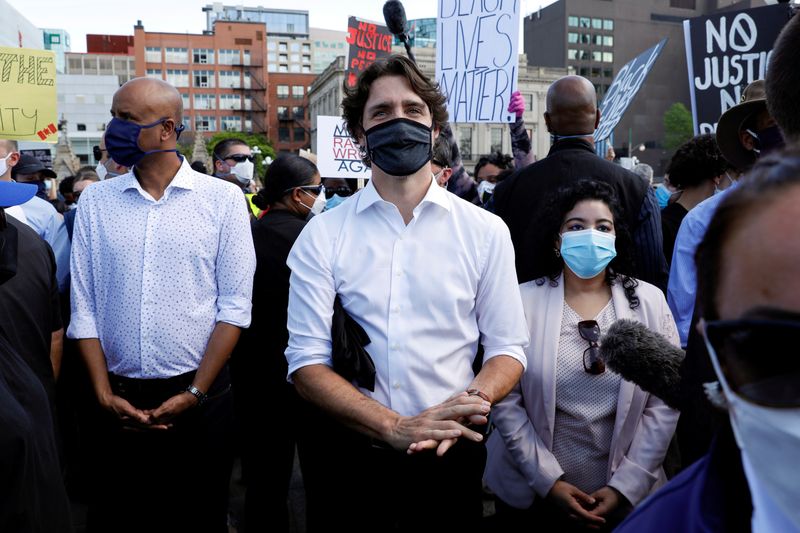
[(770, 439), (4, 165), (485, 187), (318, 206), (243, 172), (101, 171)]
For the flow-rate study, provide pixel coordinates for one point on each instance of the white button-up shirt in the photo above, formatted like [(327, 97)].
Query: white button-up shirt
[(151, 279), (426, 293)]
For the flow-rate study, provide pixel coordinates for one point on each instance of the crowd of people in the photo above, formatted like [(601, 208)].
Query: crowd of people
[(422, 345)]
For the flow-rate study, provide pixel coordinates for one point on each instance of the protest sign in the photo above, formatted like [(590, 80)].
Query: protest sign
[(368, 42), (338, 156), (476, 58), (28, 95), (724, 53), (626, 84)]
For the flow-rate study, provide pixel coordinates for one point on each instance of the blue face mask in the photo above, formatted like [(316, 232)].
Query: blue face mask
[(122, 141), (663, 194), (333, 201), (587, 252)]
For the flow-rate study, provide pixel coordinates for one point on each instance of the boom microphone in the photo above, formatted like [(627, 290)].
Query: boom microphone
[(645, 358), (395, 16)]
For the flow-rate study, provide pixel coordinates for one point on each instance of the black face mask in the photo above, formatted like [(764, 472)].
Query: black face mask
[(8, 249), (399, 147), (767, 140)]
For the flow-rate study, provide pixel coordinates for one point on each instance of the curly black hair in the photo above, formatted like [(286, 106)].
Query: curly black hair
[(498, 159), (549, 222), (696, 161)]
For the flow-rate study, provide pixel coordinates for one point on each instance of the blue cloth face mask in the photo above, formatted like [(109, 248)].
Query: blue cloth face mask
[(587, 252), (333, 201), (122, 141), (663, 194)]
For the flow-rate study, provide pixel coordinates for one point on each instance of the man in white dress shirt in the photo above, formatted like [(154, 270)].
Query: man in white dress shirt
[(429, 277), (163, 265)]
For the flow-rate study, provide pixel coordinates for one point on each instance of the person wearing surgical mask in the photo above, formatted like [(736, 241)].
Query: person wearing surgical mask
[(570, 451), (106, 166), (233, 162), (292, 192), (749, 306), (487, 169)]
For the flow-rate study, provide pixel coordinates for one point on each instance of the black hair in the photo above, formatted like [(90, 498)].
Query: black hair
[(286, 172), (783, 80), (198, 166), (548, 229), (222, 147), (764, 182), (65, 187), (698, 160), (498, 159), (443, 151)]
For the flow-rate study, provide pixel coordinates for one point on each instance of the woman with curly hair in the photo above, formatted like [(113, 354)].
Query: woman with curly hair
[(577, 446)]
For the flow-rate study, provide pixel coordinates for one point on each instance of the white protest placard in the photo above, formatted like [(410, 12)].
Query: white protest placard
[(477, 58), (338, 156)]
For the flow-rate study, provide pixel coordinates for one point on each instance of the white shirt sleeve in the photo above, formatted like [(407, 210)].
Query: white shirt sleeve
[(236, 264), (312, 293), (501, 319), (83, 324)]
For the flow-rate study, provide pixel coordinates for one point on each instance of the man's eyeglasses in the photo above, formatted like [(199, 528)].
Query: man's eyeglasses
[(756, 356), (97, 152), (239, 158), (589, 330), (341, 191)]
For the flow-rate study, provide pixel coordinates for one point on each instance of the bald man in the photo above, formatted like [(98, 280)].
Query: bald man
[(571, 118), (162, 277)]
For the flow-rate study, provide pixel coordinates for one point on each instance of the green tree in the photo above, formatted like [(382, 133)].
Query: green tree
[(678, 127), (253, 140)]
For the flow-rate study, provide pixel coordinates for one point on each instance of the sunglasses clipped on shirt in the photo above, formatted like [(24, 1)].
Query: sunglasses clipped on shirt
[(757, 356), (239, 158), (589, 330)]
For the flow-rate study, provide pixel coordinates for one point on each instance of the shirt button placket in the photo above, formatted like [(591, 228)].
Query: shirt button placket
[(147, 316), (394, 333)]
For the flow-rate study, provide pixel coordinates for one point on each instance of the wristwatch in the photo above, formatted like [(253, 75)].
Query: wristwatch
[(197, 393)]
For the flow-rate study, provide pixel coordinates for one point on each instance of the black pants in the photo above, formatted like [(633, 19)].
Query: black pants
[(354, 484), (174, 480), (545, 517)]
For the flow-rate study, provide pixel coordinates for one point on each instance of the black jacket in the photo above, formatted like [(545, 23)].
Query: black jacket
[(523, 194)]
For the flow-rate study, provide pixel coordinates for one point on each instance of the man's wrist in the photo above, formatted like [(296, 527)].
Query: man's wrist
[(197, 393), (480, 394)]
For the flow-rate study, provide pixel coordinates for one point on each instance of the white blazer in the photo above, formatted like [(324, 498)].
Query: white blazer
[(520, 463)]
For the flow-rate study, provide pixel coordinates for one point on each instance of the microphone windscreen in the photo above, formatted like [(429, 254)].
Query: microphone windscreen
[(645, 358), (395, 17)]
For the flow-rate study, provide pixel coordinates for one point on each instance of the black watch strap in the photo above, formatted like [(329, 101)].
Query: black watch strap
[(197, 393)]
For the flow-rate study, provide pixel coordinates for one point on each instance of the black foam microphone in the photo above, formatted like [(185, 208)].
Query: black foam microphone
[(395, 16), (645, 358)]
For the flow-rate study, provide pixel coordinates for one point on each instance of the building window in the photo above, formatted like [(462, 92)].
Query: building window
[(153, 73), (299, 135), (299, 113), (597, 56), (203, 78), (597, 24), (282, 47), (297, 91), (306, 69), (205, 101), (294, 68), (283, 58), (572, 37), (306, 48), (597, 39), (497, 140), (465, 142), (284, 135), (608, 57), (608, 73), (608, 40), (283, 69), (185, 98), (230, 123), (271, 45), (203, 56), (230, 79), (81, 127), (572, 54), (306, 59), (228, 57), (294, 47), (529, 102), (595, 72), (583, 71), (55, 39), (272, 67), (586, 38), (608, 24), (176, 55), (295, 58), (283, 91), (246, 55), (283, 113), (230, 101), (572, 21), (178, 78), (205, 123), (585, 22), (152, 54)]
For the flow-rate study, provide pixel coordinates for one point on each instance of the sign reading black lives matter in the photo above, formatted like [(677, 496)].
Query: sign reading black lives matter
[(626, 84), (476, 58), (724, 53)]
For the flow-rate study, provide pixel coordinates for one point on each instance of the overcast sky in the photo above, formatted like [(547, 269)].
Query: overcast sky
[(118, 18)]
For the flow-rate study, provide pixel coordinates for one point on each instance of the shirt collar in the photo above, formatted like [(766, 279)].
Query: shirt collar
[(183, 179), (435, 195)]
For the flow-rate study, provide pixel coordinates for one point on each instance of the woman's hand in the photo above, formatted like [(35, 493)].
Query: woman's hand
[(575, 503)]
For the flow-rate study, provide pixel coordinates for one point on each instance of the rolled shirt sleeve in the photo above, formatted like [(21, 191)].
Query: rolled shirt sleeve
[(83, 324), (236, 265)]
